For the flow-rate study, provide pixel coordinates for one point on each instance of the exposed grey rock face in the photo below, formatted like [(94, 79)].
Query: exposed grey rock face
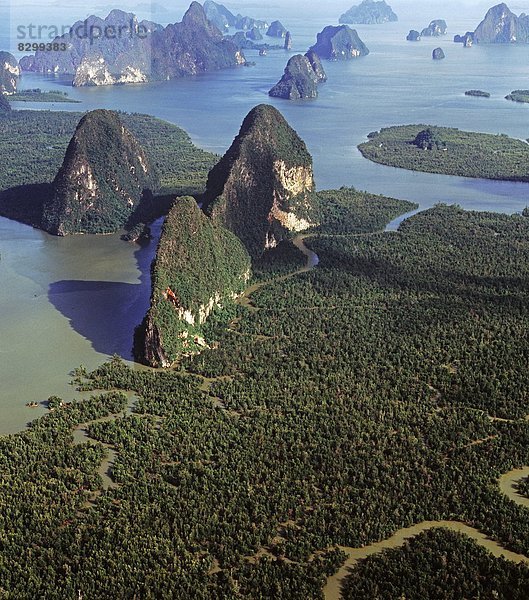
[(276, 29), (299, 81), (288, 41), (438, 54), (143, 51), (502, 26), (436, 28), (369, 12), (9, 73), (413, 36), (339, 43), (262, 188), (316, 64)]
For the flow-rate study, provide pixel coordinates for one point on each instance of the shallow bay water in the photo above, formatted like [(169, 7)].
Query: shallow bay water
[(65, 302)]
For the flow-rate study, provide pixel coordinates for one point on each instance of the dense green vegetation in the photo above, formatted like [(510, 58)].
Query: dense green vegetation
[(33, 145), (462, 153), (438, 564), (199, 265), (477, 93), (349, 211), (345, 403), (37, 95), (518, 96), (266, 170), (103, 178)]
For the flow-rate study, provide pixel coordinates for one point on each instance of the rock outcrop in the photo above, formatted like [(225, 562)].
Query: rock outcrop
[(9, 73), (467, 39), (300, 79), (413, 36), (262, 188), (103, 178), (429, 139), (502, 26), (288, 41), (277, 30), (199, 267), (143, 51), (339, 43), (438, 54), (369, 12), (436, 28)]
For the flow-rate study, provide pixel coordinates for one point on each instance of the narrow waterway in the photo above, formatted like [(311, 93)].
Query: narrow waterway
[(507, 484)]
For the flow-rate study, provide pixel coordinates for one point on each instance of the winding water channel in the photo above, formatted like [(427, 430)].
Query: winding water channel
[(332, 590), (507, 482)]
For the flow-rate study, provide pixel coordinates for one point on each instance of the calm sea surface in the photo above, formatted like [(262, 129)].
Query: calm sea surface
[(66, 302)]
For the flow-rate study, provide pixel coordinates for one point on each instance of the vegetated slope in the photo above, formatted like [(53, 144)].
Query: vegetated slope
[(357, 399), (104, 176), (33, 145), (199, 268), (463, 153), (262, 188)]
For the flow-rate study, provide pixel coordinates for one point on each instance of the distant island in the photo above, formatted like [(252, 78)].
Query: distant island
[(499, 26), (149, 52), (369, 12), (339, 43), (37, 95), (477, 93), (449, 151), (436, 28), (300, 80), (518, 96)]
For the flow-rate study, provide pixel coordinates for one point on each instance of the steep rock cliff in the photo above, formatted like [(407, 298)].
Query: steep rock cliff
[(9, 73), (199, 267), (262, 188), (103, 177), (502, 26)]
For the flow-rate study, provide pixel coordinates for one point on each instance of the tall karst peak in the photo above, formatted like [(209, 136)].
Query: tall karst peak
[(104, 175), (262, 188)]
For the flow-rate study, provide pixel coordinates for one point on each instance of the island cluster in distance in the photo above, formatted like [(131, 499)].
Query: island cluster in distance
[(326, 408)]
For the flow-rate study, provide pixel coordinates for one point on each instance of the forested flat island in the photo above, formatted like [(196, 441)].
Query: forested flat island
[(331, 390), (449, 151), (37, 95)]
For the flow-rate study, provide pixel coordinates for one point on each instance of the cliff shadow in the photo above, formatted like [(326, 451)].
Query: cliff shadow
[(106, 313), (24, 203)]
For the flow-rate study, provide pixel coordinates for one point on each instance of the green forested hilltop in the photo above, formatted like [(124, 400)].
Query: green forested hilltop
[(33, 144), (199, 267), (357, 399), (464, 153)]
